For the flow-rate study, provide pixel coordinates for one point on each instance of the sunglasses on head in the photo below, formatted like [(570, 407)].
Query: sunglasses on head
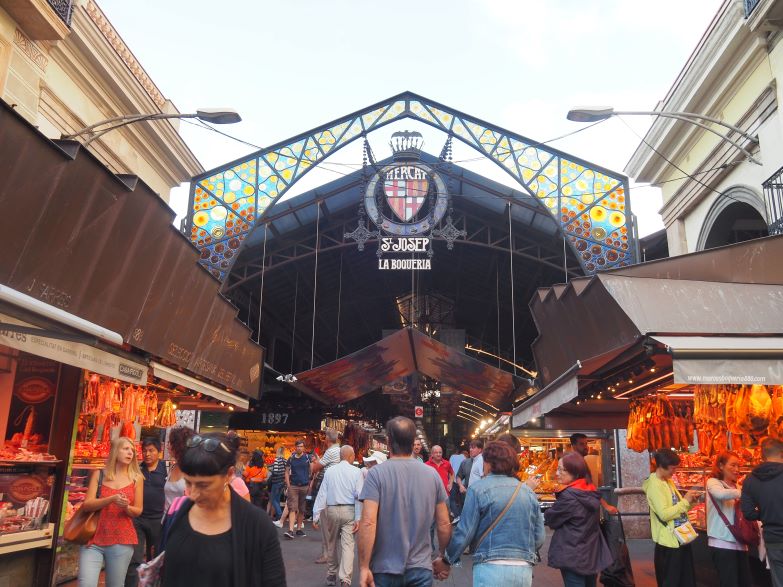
[(208, 444)]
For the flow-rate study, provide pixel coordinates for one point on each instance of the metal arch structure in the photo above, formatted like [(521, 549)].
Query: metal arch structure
[(333, 238), (589, 203)]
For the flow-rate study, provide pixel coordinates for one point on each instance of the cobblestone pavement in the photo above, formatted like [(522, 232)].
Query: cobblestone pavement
[(301, 570)]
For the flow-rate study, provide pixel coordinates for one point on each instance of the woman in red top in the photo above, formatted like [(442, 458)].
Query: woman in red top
[(117, 492)]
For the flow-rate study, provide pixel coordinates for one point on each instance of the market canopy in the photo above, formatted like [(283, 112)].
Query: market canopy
[(398, 356), (678, 296), (716, 315), (103, 247)]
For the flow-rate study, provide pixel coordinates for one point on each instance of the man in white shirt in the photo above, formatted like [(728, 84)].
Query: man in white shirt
[(477, 469), (318, 468), (338, 497)]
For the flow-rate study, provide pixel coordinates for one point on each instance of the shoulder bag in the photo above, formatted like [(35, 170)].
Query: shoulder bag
[(685, 533), (744, 531), (82, 526), (500, 516)]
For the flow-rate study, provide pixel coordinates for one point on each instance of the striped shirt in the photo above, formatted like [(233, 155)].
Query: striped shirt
[(331, 456), (277, 471)]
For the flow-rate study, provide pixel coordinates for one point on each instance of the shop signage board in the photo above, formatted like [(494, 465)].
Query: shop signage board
[(407, 201), (418, 411), (278, 420), (728, 371), (73, 353)]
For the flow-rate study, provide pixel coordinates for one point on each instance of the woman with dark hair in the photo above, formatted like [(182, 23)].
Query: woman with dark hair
[(175, 483), (668, 509), (501, 522), (729, 556), (578, 547), (215, 537), (255, 476)]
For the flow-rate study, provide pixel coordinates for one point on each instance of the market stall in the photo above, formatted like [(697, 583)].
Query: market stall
[(542, 449), (41, 363), (700, 422), (109, 409)]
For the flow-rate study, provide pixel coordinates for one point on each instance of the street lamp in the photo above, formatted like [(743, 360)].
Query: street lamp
[(213, 115), (594, 114)]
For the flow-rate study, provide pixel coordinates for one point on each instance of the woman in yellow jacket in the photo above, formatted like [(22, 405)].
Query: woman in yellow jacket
[(668, 509)]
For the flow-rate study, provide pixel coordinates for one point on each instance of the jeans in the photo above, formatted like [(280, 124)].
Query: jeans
[(91, 559), (276, 492), (412, 578), (148, 532), (490, 575), (572, 579)]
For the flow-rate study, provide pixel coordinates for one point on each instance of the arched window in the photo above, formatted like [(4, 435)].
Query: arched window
[(737, 215)]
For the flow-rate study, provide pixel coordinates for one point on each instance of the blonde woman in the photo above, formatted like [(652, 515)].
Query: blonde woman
[(117, 492)]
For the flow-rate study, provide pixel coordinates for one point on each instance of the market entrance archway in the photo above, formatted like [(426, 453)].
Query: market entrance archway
[(589, 203), (313, 297)]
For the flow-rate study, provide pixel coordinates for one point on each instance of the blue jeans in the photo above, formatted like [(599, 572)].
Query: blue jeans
[(92, 558), (489, 575), (276, 492), (572, 579), (412, 578)]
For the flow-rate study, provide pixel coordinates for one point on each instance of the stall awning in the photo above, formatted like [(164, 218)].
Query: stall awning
[(561, 391), (704, 360), (554, 400), (185, 380), (595, 315), (103, 248), (399, 355)]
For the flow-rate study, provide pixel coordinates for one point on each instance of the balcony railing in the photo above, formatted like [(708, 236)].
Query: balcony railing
[(63, 8), (749, 6), (773, 199)]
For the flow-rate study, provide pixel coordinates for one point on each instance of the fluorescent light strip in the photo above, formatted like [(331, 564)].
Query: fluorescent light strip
[(645, 384), (480, 401)]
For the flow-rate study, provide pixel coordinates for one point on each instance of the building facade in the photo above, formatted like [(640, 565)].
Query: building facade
[(713, 194), (63, 67)]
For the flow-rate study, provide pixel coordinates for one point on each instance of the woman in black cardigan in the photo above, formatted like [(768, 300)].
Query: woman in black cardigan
[(215, 537)]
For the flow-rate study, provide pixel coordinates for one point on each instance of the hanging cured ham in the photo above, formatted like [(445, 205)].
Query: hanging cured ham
[(776, 413), (654, 423)]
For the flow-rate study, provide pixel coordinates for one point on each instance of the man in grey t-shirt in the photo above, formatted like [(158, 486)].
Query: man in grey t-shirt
[(401, 499)]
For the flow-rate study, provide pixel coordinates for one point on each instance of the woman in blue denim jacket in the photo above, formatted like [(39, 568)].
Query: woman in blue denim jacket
[(506, 555)]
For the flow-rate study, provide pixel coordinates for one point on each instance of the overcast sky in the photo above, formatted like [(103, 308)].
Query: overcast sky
[(294, 65)]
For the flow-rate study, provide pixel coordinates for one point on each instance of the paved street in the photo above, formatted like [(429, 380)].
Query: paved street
[(301, 571)]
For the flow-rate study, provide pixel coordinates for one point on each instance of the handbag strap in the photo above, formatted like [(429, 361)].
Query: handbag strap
[(723, 517), (500, 516), (100, 484)]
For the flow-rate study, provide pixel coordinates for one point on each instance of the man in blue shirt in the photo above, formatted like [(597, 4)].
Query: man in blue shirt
[(297, 479), (148, 524)]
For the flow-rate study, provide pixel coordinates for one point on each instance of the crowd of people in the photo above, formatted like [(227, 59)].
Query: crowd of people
[(212, 515)]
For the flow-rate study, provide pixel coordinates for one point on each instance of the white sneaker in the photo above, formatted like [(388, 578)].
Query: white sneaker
[(279, 523)]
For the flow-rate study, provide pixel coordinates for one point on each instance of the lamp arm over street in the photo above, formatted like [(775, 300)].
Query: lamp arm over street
[(595, 114), (713, 131), (214, 115), (688, 116)]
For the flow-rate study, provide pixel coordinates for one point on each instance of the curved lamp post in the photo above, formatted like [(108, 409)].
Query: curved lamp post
[(594, 114), (213, 115)]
